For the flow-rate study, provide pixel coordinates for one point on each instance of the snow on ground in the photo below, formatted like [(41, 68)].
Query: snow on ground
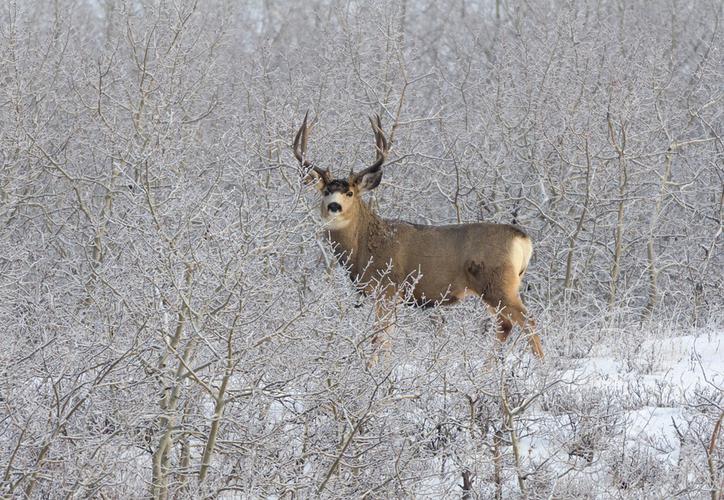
[(684, 361), (643, 391), (656, 428), (687, 361), (679, 363)]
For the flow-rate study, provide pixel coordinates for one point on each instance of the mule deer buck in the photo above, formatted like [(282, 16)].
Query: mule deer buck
[(448, 262)]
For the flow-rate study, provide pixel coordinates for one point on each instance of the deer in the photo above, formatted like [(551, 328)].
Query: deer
[(423, 265)]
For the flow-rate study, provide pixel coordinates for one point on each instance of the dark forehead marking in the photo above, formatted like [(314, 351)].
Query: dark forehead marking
[(338, 185)]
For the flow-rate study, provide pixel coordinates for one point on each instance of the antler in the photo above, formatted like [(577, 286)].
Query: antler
[(300, 148), (381, 146)]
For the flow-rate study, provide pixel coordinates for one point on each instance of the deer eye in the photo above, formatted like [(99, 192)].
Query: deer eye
[(349, 193)]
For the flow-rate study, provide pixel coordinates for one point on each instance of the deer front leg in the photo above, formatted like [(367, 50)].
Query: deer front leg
[(385, 318)]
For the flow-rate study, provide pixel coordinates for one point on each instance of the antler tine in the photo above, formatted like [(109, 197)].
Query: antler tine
[(380, 144), (380, 140), (300, 147)]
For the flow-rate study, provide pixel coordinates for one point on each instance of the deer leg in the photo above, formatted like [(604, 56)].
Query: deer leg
[(516, 310), (385, 317), (509, 311), (438, 321), (534, 340), (499, 289), (503, 325)]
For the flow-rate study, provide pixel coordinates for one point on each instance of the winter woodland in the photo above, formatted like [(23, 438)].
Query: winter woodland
[(173, 322)]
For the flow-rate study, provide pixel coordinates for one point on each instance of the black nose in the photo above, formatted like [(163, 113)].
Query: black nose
[(334, 207)]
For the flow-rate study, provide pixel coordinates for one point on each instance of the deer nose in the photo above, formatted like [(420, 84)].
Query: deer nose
[(334, 207)]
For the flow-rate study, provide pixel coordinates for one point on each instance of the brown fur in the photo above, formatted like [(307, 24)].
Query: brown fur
[(451, 262)]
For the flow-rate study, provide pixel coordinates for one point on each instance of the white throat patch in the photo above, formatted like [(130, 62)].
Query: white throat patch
[(335, 223)]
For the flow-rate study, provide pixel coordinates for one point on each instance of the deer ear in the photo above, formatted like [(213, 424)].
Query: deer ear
[(368, 180), (314, 178)]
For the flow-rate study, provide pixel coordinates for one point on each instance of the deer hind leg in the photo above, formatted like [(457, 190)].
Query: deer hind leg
[(519, 316), (503, 323), (505, 303), (512, 311), (486, 283)]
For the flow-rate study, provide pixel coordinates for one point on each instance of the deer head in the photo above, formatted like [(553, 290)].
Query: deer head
[(341, 197)]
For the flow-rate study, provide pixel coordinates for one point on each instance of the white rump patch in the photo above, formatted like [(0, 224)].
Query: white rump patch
[(521, 250)]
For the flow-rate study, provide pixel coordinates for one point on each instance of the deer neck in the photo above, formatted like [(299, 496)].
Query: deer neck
[(353, 245)]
